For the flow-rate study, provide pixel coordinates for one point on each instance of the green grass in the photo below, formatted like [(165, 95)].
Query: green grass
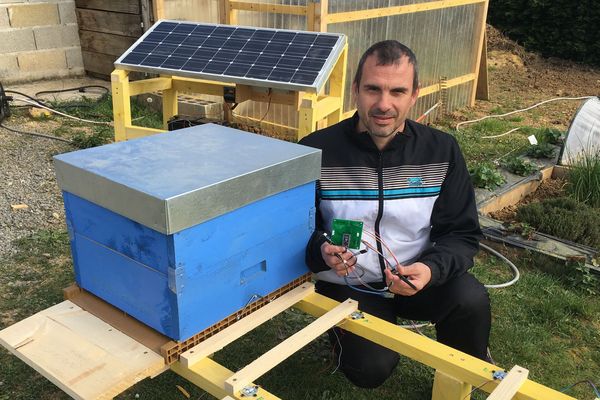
[(584, 179), (545, 322)]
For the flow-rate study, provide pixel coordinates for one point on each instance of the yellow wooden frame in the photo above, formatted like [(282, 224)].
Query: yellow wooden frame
[(456, 372), (312, 107)]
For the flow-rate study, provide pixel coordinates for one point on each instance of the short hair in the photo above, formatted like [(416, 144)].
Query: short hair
[(389, 52)]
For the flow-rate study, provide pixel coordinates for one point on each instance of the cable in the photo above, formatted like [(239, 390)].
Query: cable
[(340, 354), (78, 88), (517, 275), (521, 110), (596, 391), (35, 134), (426, 113), (500, 135), (268, 106), (38, 104), (27, 96)]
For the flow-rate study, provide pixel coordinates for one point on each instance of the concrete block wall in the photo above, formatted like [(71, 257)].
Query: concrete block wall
[(38, 40)]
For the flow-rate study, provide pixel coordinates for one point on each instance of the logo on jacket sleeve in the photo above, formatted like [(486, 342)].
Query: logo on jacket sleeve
[(416, 181)]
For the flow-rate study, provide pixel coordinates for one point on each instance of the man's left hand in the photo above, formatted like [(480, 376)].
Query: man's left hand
[(418, 273)]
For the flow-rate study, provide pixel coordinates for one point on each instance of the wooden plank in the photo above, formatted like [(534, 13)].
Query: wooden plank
[(480, 33), (245, 325), (459, 80), (102, 64), (316, 16), (452, 362), (116, 318), (267, 8), (349, 16), (119, 80), (483, 88), (133, 131), (510, 385), (158, 9), (149, 85), (109, 22), (288, 347), (105, 43), (276, 96), (122, 6), (78, 352), (445, 387)]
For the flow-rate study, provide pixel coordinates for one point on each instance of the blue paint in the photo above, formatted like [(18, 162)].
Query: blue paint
[(183, 283)]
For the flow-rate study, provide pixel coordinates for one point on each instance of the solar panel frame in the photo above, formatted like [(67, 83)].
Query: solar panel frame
[(163, 47)]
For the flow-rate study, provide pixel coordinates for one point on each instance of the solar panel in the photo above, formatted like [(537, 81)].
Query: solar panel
[(275, 58)]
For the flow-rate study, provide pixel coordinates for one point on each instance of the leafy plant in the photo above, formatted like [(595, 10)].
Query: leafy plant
[(581, 277), (542, 150), (583, 179), (565, 218), (486, 176), (519, 166), (551, 136)]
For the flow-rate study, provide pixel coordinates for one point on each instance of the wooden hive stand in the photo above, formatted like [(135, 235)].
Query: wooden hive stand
[(312, 107)]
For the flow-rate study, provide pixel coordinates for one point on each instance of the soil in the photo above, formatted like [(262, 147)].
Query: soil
[(30, 199)]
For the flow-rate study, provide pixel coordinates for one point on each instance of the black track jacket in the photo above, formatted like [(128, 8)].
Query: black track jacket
[(416, 195)]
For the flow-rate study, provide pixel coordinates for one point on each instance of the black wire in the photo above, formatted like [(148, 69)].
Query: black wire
[(28, 96), (268, 106), (35, 134), (79, 88)]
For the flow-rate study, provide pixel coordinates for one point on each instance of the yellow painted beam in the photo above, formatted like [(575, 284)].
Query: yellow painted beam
[(447, 360), (133, 131), (268, 8), (459, 80), (121, 104), (190, 85), (307, 115), (327, 106), (170, 105), (337, 85), (396, 10), (210, 377), (149, 85), (446, 387)]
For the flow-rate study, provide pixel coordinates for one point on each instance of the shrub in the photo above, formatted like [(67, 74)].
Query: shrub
[(486, 176), (563, 217), (583, 179)]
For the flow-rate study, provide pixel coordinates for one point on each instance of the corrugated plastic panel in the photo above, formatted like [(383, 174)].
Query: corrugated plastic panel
[(445, 42)]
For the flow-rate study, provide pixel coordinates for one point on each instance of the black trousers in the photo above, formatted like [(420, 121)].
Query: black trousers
[(460, 310)]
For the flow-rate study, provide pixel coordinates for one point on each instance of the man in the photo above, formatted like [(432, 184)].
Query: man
[(409, 185)]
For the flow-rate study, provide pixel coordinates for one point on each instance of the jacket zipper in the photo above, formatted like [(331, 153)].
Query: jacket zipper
[(380, 215)]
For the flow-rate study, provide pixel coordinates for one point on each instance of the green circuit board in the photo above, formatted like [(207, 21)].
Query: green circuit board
[(346, 233)]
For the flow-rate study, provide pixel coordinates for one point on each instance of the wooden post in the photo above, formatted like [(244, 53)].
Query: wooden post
[(228, 14), (316, 16), (158, 9), (337, 85), (480, 29), (170, 105), (483, 91), (446, 387), (121, 103), (307, 115), (147, 17)]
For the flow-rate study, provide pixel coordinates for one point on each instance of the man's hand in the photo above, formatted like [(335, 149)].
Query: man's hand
[(338, 258), (418, 273)]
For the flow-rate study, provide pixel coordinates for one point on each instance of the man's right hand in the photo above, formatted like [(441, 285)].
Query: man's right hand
[(338, 258)]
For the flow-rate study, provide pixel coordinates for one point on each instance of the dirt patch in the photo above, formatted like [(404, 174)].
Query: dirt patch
[(549, 188)]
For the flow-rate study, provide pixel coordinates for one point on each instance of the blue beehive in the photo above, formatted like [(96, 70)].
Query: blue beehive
[(181, 230)]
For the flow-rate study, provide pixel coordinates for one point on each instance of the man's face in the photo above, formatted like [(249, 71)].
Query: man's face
[(384, 98)]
